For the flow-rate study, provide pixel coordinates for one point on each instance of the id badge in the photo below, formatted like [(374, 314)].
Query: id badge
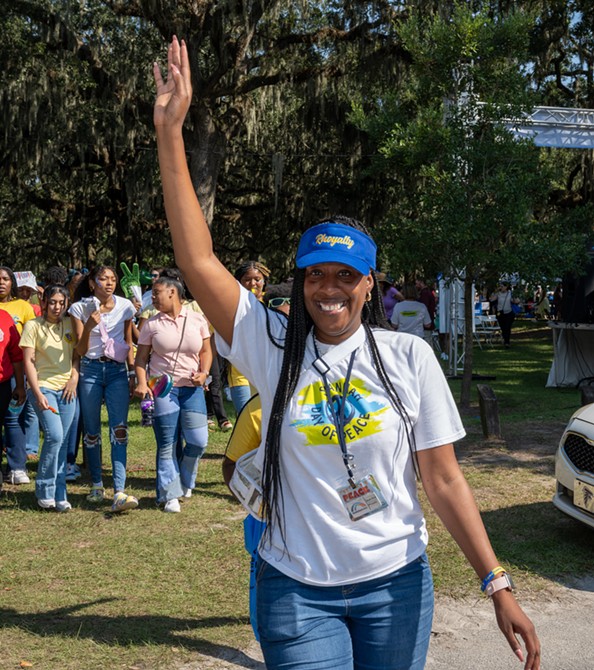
[(363, 500)]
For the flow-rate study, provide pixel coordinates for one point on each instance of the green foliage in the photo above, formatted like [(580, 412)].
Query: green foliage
[(71, 95), (469, 195), (291, 102)]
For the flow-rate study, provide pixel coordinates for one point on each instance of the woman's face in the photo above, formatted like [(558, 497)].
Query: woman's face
[(334, 296), (55, 306), (104, 284), (25, 292), (5, 285), (164, 298), (253, 280)]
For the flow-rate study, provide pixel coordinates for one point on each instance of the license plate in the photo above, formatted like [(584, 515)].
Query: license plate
[(583, 495)]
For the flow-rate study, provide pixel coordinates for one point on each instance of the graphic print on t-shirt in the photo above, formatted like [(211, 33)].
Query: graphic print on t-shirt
[(362, 415)]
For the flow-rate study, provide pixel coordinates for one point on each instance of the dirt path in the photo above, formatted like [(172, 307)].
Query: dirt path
[(465, 635)]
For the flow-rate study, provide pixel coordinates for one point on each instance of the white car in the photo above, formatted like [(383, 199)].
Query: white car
[(574, 467)]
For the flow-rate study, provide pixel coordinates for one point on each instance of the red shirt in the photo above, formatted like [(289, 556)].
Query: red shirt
[(9, 346)]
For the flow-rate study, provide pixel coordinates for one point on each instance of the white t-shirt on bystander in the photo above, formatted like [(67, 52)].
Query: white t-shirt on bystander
[(114, 321), (410, 316)]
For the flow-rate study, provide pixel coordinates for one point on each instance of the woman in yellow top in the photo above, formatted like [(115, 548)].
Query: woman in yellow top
[(51, 366), (16, 444)]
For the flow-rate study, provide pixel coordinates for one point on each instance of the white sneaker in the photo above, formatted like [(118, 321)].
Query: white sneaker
[(18, 477), (172, 506), (187, 493), (46, 503), (63, 506)]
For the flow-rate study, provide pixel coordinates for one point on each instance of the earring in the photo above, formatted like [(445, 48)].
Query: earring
[(368, 297)]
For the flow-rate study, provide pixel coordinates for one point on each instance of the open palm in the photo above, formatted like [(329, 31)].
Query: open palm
[(174, 94)]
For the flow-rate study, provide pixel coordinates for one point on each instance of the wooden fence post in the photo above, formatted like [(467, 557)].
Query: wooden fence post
[(489, 412)]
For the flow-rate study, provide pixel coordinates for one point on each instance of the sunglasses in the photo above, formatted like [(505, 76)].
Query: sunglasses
[(278, 302)]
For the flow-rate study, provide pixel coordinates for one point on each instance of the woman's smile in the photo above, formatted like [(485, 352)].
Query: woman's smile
[(331, 307), (334, 295)]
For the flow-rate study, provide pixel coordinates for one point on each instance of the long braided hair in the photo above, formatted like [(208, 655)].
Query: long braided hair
[(299, 325)]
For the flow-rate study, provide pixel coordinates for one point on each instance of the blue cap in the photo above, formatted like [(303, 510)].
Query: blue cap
[(336, 243)]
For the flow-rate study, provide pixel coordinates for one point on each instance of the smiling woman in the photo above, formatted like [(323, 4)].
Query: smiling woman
[(351, 410)]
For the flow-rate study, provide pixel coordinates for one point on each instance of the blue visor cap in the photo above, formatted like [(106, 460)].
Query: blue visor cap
[(336, 243)]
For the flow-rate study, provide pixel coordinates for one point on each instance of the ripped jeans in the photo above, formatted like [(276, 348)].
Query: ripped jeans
[(183, 408), (98, 381)]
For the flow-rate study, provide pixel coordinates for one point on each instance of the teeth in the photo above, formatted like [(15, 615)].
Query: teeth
[(325, 307)]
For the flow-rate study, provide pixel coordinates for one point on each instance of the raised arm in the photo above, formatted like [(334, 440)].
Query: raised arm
[(210, 283)]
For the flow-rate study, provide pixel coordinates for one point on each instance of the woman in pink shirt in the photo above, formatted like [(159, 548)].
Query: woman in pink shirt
[(176, 342)]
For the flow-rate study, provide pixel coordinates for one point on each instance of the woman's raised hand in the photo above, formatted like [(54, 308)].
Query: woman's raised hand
[(174, 94)]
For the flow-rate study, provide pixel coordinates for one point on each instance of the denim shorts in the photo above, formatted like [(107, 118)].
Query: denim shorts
[(380, 624)]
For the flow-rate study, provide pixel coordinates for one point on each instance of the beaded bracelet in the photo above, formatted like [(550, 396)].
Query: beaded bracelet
[(491, 576)]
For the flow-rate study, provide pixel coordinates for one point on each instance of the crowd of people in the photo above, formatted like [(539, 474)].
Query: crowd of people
[(71, 344)]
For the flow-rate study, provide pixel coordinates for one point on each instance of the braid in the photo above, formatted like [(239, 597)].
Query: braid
[(298, 327), (392, 394), (278, 343)]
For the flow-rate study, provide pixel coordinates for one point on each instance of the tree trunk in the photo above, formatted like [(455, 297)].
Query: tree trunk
[(206, 145), (468, 340)]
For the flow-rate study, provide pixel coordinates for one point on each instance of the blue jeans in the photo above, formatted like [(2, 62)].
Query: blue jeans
[(30, 423), (74, 434), (14, 433), (183, 408), (380, 624), (100, 380), (50, 482), (240, 395), (253, 529)]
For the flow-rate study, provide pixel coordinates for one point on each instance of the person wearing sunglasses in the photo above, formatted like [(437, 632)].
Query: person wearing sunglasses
[(147, 296)]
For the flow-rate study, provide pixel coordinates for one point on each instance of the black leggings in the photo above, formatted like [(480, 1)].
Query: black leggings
[(214, 397), (505, 320)]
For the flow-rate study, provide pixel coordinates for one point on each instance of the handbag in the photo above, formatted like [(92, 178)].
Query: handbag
[(160, 385), (117, 351)]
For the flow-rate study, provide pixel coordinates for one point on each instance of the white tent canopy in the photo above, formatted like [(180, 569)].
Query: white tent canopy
[(557, 127)]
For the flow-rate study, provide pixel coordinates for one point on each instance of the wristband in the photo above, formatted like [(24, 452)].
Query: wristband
[(131, 373), (502, 582), (491, 576)]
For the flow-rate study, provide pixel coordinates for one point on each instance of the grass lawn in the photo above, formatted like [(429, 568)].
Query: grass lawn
[(147, 590)]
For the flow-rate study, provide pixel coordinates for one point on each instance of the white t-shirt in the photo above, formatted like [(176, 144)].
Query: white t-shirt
[(147, 300), (114, 321), (324, 546), (410, 316)]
